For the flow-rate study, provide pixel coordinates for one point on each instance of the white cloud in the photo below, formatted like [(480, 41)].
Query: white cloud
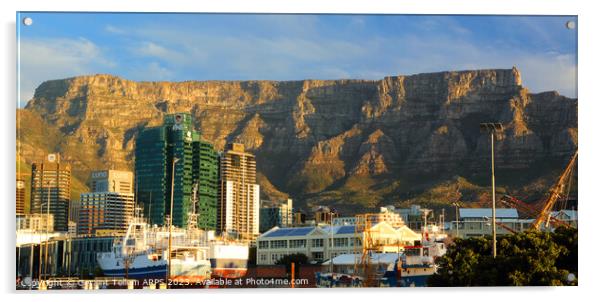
[(541, 71), (288, 47), (155, 50), (114, 30), (549, 72), (442, 45), (44, 59), (153, 71)]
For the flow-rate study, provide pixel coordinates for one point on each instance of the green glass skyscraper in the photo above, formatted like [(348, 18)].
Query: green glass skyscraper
[(155, 152)]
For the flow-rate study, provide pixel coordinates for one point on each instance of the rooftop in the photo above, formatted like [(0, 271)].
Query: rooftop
[(284, 232), (570, 214), (340, 229), (486, 212), (303, 231)]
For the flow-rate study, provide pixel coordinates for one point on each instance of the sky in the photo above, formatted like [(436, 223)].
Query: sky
[(180, 47)]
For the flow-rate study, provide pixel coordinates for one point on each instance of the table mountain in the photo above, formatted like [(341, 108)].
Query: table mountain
[(356, 143)]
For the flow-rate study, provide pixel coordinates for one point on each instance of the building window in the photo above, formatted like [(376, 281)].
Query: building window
[(263, 244), (299, 243), (317, 242), (278, 244), (317, 255), (276, 257), (263, 257), (341, 242)]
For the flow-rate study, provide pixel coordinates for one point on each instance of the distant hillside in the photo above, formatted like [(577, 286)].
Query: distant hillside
[(357, 144)]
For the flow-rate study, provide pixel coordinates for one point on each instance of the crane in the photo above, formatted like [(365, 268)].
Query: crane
[(505, 227), (555, 194), (369, 245), (530, 210)]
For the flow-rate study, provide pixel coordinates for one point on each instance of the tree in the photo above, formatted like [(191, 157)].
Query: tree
[(297, 258), (567, 236), (527, 258)]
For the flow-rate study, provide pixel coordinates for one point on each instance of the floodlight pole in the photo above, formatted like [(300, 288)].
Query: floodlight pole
[(47, 227), (493, 129), (457, 222), (331, 244), (171, 216), (493, 226)]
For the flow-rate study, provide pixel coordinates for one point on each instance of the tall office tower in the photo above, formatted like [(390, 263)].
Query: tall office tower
[(51, 182), (238, 211), (112, 181), (109, 207), (205, 172), (156, 151), (20, 206)]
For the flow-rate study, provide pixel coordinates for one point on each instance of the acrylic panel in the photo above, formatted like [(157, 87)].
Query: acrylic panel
[(209, 151)]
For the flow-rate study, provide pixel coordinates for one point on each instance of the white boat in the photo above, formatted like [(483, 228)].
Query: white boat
[(228, 258), (143, 254)]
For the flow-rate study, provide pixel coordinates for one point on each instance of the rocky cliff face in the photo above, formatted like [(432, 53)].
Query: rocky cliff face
[(315, 139)]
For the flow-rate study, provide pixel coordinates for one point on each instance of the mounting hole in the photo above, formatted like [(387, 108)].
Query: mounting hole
[(570, 24), (27, 21)]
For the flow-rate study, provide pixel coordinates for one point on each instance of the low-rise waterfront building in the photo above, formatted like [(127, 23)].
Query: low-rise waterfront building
[(323, 242), (476, 222), (67, 256), (566, 216), (36, 222)]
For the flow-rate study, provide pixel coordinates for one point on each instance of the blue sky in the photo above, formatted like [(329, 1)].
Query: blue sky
[(178, 47)]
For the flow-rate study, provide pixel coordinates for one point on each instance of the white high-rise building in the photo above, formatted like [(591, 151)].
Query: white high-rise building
[(238, 194)]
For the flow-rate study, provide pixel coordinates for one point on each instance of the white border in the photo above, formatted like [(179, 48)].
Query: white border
[(589, 114)]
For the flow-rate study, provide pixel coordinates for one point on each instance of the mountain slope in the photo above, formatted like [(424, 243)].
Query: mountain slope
[(359, 143)]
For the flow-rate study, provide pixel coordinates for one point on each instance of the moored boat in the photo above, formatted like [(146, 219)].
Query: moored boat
[(142, 254)]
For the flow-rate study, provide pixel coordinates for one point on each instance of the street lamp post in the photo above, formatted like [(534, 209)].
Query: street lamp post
[(47, 218), (31, 266), (494, 130), (173, 169), (331, 243), (47, 231)]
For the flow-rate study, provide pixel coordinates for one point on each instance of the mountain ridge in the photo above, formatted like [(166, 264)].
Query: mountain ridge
[(361, 143)]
